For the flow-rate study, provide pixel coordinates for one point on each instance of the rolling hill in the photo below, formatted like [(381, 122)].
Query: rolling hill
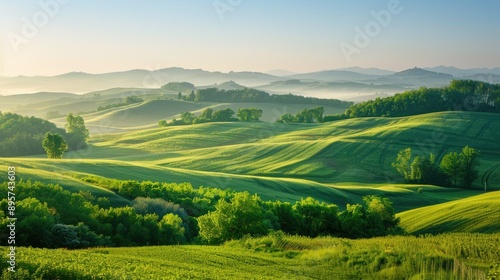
[(480, 213), (337, 162)]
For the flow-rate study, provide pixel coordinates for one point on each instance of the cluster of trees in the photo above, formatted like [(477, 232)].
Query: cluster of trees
[(49, 216), (209, 115), (54, 145), (250, 114), (460, 95), (178, 86), (190, 97), (247, 214), (304, 116), (22, 135), (454, 169), (126, 101), (76, 135), (161, 213), (258, 96)]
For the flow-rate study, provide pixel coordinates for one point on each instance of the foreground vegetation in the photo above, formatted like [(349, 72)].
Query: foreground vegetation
[(171, 214), (448, 256)]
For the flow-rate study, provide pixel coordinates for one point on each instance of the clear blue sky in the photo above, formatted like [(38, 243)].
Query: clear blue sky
[(256, 35)]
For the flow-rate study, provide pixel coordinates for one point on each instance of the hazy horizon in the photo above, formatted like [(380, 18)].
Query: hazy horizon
[(53, 37)]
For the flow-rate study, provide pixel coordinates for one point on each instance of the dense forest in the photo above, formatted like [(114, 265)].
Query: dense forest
[(460, 95), (21, 135), (163, 213)]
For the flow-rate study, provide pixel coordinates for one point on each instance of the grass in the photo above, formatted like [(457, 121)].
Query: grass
[(451, 256), (356, 150), (336, 162), (479, 213)]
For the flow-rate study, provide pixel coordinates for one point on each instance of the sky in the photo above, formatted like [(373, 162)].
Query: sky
[(51, 37)]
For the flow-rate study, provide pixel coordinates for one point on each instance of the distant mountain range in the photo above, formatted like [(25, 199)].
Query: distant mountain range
[(346, 83)]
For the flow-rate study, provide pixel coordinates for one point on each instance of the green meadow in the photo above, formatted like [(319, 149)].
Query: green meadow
[(337, 162)]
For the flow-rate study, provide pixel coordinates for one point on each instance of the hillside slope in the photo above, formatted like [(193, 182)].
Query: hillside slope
[(337, 162), (355, 150), (480, 213)]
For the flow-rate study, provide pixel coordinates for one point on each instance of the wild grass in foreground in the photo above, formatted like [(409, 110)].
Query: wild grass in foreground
[(448, 256)]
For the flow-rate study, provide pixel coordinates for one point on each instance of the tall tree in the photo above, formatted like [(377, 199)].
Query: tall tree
[(469, 160), (402, 163), (54, 145), (78, 133), (451, 165), (192, 96)]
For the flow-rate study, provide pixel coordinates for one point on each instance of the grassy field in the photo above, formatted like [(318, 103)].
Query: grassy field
[(480, 213), (451, 256), (336, 162), (158, 105)]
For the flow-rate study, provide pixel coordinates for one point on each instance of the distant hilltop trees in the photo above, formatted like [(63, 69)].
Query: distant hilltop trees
[(249, 95), (460, 95), (126, 101), (179, 86), (209, 115)]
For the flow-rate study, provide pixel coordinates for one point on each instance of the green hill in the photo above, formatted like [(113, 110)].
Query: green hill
[(337, 162), (480, 213), (354, 150), (147, 114), (179, 87)]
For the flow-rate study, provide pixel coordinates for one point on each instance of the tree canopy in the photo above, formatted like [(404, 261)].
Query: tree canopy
[(258, 96), (460, 95), (22, 135), (454, 169), (77, 132), (54, 145)]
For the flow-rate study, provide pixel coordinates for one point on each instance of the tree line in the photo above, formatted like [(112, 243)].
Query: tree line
[(209, 115), (304, 116), (460, 95), (126, 101), (257, 96), (454, 169), (168, 213), (22, 135)]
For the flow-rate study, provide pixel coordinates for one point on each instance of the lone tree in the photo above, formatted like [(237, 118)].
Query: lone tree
[(469, 161), (452, 166), (54, 145), (402, 163), (78, 133)]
